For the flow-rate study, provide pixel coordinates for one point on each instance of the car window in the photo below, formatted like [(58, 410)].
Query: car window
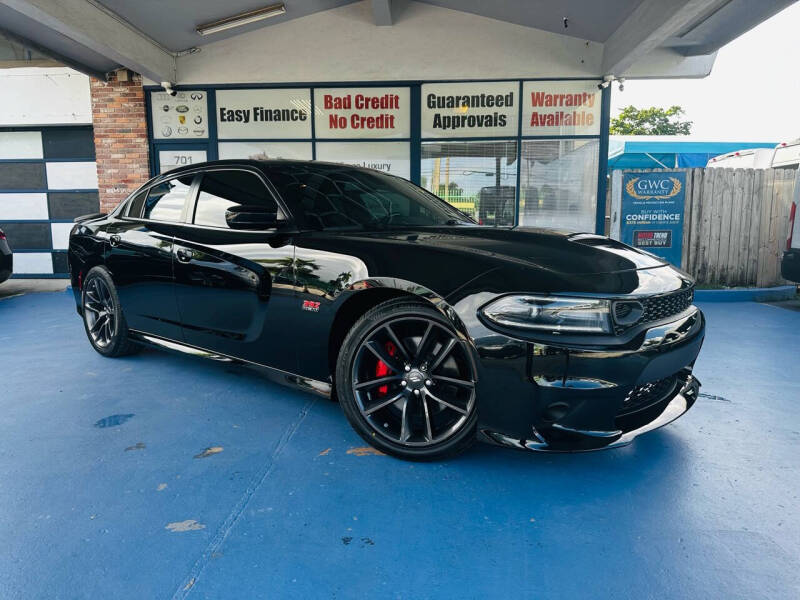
[(165, 200), (220, 190), (134, 208), (333, 197)]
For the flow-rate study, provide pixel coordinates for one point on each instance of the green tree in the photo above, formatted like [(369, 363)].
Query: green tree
[(650, 121)]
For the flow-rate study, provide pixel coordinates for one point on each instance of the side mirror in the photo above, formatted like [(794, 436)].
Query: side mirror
[(252, 217)]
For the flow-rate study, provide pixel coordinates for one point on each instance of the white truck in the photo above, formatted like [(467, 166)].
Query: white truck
[(784, 155)]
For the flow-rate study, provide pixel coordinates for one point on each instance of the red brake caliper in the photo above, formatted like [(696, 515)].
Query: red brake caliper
[(382, 369)]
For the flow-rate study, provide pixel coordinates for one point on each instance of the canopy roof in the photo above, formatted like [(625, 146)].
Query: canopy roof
[(658, 152), (630, 38)]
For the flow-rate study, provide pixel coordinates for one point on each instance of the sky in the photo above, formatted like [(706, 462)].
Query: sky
[(752, 94)]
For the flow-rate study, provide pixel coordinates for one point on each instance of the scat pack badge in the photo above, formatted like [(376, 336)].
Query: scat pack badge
[(310, 306)]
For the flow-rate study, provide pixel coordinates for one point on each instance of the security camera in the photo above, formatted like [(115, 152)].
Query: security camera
[(168, 88), (621, 85)]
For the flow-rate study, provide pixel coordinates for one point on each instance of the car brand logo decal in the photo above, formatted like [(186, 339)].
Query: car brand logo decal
[(310, 306)]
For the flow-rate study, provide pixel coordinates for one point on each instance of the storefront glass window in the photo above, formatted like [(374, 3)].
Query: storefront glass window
[(265, 150), (389, 157), (558, 184), (478, 178)]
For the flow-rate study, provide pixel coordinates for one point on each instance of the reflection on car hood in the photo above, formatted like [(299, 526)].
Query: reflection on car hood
[(566, 254)]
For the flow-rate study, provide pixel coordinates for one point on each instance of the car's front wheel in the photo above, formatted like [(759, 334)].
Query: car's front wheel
[(102, 315), (406, 382)]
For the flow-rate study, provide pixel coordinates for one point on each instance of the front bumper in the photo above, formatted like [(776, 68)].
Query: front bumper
[(673, 408), (585, 398)]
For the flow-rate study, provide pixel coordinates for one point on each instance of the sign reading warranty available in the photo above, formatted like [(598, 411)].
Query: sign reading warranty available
[(362, 112), (560, 108)]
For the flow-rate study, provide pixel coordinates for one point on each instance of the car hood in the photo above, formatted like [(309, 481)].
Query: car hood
[(448, 259), (555, 251), (572, 254)]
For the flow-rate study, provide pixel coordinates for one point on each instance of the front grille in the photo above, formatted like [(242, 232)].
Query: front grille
[(648, 394), (654, 308), (661, 307)]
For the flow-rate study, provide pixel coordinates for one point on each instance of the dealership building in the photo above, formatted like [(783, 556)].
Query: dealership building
[(500, 108)]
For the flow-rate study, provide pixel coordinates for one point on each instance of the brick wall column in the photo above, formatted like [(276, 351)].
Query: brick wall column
[(120, 136)]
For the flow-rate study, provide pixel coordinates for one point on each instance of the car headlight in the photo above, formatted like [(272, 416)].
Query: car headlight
[(554, 314)]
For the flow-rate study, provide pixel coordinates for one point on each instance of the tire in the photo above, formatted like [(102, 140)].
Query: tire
[(103, 319), (423, 408)]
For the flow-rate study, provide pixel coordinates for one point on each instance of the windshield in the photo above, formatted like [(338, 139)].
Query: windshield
[(342, 198)]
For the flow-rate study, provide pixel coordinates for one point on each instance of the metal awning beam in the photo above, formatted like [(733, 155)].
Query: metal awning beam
[(59, 58), (96, 28), (382, 12), (651, 24)]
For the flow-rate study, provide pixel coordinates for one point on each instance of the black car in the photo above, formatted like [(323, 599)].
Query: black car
[(6, 258), (429, 329)]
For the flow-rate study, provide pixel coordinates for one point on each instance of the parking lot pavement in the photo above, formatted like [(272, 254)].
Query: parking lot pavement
[(163, 476)]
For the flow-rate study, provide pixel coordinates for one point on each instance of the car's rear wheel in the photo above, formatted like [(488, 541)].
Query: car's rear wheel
[(406, 382), (102, 316)]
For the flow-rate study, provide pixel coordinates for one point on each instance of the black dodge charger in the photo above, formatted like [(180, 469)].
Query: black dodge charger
[(431, 331)]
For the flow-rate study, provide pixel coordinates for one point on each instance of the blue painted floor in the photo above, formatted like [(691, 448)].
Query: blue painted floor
[(162, 476)]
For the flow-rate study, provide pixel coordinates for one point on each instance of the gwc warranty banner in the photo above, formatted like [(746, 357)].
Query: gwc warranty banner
[(651, 215)]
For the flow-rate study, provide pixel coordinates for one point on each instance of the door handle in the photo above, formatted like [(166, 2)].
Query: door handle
[(114, 240), (183, 255)]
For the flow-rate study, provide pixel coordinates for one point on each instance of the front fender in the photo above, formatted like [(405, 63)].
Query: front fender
[(357, 298), (411, 288)]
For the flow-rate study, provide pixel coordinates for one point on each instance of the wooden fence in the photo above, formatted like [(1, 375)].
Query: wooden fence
[(735, 225)]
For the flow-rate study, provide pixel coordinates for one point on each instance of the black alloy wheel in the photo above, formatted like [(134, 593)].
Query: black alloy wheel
[(406, 382), (102, 316)]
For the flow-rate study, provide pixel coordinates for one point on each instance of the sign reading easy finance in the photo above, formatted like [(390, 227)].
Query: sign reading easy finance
[(560, 108), (478, 109), (267, 114), (362, 112)]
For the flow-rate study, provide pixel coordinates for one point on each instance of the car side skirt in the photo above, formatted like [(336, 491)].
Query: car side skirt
[(299, 382)]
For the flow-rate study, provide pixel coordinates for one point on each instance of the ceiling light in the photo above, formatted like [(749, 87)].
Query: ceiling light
[(245, 18)]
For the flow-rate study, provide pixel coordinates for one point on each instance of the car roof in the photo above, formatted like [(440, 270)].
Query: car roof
[(266, 165)]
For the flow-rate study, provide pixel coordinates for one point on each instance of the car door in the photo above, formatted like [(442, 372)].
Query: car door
[(234, 285), (140, 256)]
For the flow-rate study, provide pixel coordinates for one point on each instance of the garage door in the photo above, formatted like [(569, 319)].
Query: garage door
[(48, 176)]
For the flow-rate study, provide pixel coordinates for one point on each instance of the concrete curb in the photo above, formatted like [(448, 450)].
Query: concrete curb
[(771, 294)]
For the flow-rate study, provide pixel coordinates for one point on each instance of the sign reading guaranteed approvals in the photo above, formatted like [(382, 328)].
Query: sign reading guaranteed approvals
[(475, 109)]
